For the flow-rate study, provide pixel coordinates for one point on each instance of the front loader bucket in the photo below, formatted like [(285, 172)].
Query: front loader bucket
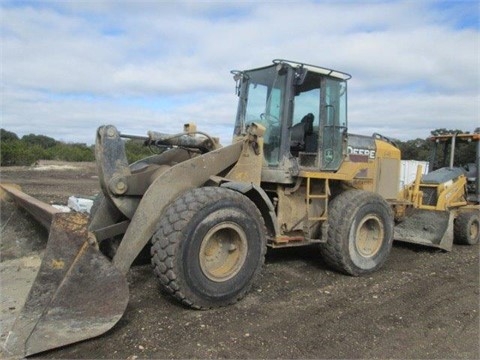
[(427, 227), (77, 294)]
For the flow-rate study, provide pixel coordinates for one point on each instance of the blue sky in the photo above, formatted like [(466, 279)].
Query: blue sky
[(71, 66)]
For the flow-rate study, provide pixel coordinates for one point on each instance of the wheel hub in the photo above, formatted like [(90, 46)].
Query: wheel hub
[(370, 235), (223, 251)]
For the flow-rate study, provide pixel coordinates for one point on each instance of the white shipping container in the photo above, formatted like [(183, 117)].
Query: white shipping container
[(408, 171)]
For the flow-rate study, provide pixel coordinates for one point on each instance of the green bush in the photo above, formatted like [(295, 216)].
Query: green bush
[(31, 148), (7, 135), (70, 152), (136, 150), (17, 152), (41, 140)]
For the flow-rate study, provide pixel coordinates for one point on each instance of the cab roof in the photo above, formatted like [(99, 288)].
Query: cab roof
[(316, 69), (313, 68)]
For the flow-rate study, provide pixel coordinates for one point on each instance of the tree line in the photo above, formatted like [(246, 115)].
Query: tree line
[(30, 148)]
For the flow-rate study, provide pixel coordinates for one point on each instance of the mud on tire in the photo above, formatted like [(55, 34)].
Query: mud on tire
[(360, 233), (209, 247), (466, 228)]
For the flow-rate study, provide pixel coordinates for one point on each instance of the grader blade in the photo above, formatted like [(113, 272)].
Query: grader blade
[(428, 228), (77, 294)]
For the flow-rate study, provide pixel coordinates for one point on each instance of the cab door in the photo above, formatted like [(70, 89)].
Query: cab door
[(333, 123)]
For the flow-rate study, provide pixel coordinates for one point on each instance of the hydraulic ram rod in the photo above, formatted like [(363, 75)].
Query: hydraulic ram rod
[(181, 139)]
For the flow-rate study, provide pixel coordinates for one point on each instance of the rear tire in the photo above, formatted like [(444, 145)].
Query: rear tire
[(209, 247), (360, 233), (466, 228)]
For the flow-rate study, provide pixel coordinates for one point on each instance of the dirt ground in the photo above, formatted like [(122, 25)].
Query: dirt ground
[(423, 304)]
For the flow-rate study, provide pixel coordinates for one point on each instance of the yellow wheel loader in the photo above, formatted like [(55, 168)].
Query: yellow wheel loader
[(293, 176)]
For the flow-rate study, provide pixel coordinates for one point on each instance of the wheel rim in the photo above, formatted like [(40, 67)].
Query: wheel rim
[(473, 231), (223, 251), (370, 235)]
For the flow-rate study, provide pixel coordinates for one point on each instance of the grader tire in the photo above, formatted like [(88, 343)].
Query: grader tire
[(466, 228), (360, 233), (209, 247)]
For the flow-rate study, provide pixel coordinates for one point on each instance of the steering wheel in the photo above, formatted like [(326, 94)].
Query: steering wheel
[(269, 118)]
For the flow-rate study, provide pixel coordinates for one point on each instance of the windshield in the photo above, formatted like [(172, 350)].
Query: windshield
[(261, 101)]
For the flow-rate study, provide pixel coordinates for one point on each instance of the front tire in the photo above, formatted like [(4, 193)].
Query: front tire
[(466, 228), (209, 247), (360, 233)]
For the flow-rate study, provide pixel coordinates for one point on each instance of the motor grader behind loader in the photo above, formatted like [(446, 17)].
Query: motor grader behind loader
[(446, 201), (293, 176)]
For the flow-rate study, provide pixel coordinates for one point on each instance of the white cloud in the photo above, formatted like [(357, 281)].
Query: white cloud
[(68, 67)]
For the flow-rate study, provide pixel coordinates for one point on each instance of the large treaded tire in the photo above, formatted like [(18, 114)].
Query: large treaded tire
[(360, 233), (466, 228), (191, 236)]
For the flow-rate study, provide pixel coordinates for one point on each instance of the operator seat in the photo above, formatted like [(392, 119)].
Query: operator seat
[(299, 133)]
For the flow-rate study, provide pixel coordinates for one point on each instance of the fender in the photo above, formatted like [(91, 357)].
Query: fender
[(260, 198), (168, 186)]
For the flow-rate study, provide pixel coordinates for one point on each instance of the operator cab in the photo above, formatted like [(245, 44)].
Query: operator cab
[(304, 110)]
